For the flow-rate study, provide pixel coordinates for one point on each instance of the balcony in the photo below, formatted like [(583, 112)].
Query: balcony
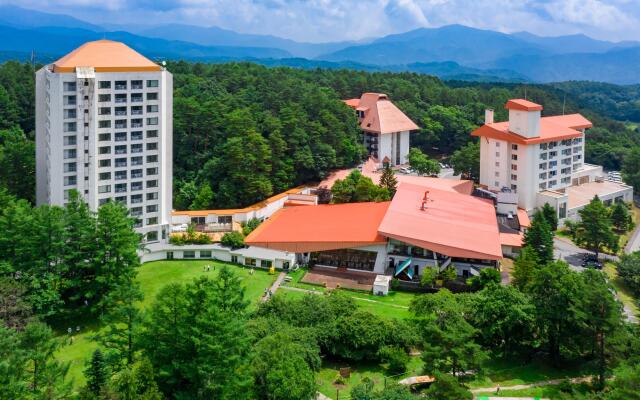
[(121, 164), (136, 99), (121, 112), (122, 125), (136, 124), (121, 99), (136, 175), (136, 112), (121, 86)]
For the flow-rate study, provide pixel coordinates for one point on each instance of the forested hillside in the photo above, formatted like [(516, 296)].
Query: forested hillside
[(243, 132)]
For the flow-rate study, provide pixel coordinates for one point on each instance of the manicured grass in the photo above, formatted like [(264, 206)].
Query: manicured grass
[(542, 392), (624, 293), (513, 372), (330, 371), (152, 277)]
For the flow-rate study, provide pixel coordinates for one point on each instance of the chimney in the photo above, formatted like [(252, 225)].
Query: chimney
[(488, 116)]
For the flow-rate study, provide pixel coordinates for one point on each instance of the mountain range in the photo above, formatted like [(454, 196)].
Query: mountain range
[(450, 52)]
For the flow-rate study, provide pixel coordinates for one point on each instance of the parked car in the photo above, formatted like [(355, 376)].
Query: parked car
[(405, 170), (590, 261)]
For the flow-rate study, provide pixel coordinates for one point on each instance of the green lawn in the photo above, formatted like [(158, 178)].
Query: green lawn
[(152, 277), (330, 371), (624, 293), (542, 392), (513, 372)]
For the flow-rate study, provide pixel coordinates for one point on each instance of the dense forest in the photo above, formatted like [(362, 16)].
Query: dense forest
[(243, 132)]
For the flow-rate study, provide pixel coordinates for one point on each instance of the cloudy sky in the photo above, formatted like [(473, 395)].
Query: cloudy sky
[(331, 20)]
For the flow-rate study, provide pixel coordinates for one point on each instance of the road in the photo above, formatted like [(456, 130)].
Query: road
[(634, 242)]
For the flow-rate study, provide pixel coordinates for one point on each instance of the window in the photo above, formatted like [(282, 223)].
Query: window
[(121, 136), (104, 176), (104, 124), (121, 149), (102, 202), (104, 137), (152, 171), (136, 110), (152, 134), (152, 220), (69, 140), (121, 85), (137, 135), (152, 83), (553, 173), (543, 175), (120, 175), (543, 156), (205, 253), (104, 84), (135, 186), (514, 177), (553, 183), (121, 111), (69, 86), (104, 150), (70, 100), (70, 153), (121, 188), (562, 210), (265, 263), (152, 196), (121, 98), (136, 211), (514, 157), (497, 154), (188, 254), (136, 160), (553, 164), (69, 126), (105, 163), (497, 174), (70, 167), (225, 219), (497, 144), (70, 180), (514, 167), (136, 85), (152, 159), (152, 236), (104, 189), (250, 261), (514, 187), (152, 96), (136, 148), (136, 98), (152, 184), (70, 113), (152, 208), (136, 198), (152, 121), (104, 98), (152, 146), (136, 173), (121, 162), (497, 163), (121, 199), (152, 108), (543, 185), (543, 146), (121, 124), (497, 184), (514, 147), (542, 166)]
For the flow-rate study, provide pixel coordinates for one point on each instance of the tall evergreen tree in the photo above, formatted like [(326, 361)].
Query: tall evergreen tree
[(524, 267), (388, 180), (96, 373), (620, 217), (595, 229), (540, 238), (551, 215)]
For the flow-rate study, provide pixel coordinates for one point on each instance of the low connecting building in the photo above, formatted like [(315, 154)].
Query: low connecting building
[(541, 160), (421, 227), (385, 128)]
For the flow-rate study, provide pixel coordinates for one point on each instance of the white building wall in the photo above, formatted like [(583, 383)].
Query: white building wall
[(404, 146), (384, 147), (154, 158)]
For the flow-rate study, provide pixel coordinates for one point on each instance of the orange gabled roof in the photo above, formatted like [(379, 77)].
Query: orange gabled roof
[(381, 115), (321, 227), (522, 105), (511, 239), (453, 224), (573, 121), (353, 103), (523, 218), (549, 131), (105, 56)]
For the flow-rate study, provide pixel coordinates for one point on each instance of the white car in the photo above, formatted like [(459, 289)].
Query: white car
[(179, 228)]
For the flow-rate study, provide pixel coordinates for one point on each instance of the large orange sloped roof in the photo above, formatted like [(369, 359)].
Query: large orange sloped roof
[(453, 224), (321, 227), (105, 56), (381, 115), (549, 131), (573, 121), (522, 105)]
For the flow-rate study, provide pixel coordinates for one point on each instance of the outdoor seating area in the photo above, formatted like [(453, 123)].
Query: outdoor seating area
[(333, 278)]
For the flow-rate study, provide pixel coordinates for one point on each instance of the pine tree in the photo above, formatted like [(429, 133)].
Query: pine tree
[(620, 217), (540, 237), (96, 373), (524, 267), (388, 181), (595, 229), (551, 215)]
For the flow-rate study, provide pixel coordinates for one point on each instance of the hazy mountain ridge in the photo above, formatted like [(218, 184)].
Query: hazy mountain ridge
[(450, 52)]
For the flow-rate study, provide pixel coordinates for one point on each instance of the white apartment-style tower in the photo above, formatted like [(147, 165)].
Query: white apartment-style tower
[(104, 128)]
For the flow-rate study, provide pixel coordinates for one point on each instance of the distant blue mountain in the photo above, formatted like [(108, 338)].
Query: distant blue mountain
[(22, 18), (62, 40)]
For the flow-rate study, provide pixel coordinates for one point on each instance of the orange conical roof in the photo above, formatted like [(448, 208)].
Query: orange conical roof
[(105, 56)]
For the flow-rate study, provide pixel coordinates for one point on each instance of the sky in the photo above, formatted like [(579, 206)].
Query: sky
[(337, 20)]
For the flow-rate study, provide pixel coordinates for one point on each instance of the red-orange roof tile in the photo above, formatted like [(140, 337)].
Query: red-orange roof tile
[(522, 105), (573, 121), (381, 115), (105, 56), (453, 224), (321, 227), (353, 103), (523, 218), (549, 131), (511, 239)]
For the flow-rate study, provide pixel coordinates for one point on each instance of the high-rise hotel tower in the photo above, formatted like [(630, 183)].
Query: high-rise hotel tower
[(104, 128)]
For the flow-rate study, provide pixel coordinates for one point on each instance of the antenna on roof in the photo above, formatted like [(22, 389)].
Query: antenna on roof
[(564, 102)]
